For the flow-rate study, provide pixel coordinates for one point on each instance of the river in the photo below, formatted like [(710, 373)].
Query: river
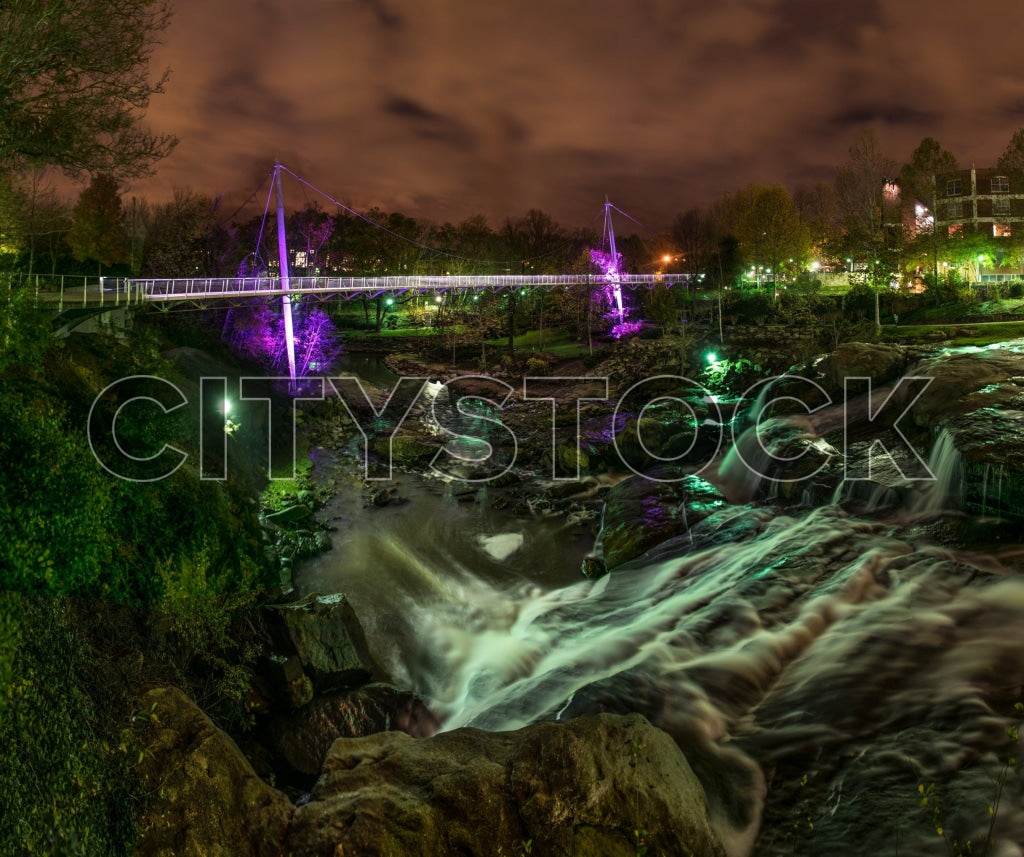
[(825, 673)]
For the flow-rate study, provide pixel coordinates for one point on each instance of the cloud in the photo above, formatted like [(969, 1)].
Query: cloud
[(443, 109)]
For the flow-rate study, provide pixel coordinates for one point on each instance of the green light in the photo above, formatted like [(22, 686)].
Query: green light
[(389, 301), (712, 357)]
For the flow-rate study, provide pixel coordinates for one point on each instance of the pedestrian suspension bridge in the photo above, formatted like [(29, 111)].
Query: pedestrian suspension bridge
[(115, 292)]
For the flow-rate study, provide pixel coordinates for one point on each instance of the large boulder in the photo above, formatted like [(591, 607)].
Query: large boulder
[(641, 512), (302, 738), (966, 381), (206, 800), (606, 784), (990, 446), (875, 360), (324, 633)]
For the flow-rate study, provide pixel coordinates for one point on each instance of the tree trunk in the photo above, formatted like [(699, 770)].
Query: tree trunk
[(512, 323)]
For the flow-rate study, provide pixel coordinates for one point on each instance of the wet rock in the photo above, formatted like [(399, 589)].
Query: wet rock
[(325, 635), (382, 496), (640, 512), (878, 361), (205, 798), (968, 381), (571, 458), (669, 432), (990, 444), (583, 787), (302, 738), (593, 567), (289, 680), (408, 447), (289, 515)]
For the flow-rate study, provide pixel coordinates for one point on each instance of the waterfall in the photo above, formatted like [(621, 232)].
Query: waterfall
[(945, 490)]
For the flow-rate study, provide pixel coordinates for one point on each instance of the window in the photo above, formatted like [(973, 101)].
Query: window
[(1000, 184), (954, 210), (954, 187), (1001, 230), (1001, 205)]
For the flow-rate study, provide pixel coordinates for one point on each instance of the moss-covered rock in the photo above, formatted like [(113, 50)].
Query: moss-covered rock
[(641, 512), (207, 801), (602, 784)]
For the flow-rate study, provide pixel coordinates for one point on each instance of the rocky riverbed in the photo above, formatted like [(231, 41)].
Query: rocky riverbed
[(785, 644)]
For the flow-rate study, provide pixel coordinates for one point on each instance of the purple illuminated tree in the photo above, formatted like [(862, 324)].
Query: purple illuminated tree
[(316, 343), (257, 332)]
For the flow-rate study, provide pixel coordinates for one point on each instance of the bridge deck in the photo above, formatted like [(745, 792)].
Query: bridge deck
[(236, 287), (113, 291)]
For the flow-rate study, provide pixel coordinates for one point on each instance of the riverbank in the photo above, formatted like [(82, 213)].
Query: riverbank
[(816, 647)]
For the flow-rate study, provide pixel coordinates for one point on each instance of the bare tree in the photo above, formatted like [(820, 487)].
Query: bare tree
[(917, 184), (74, 83), (860, 188)]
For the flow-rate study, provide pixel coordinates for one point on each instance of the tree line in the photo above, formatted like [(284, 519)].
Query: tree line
[(875, 219)]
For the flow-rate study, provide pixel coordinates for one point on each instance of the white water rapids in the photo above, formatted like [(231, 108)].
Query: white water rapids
[(839, 662), (822, 672)]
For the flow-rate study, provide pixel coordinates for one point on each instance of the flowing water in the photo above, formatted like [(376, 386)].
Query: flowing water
[(823, 672)]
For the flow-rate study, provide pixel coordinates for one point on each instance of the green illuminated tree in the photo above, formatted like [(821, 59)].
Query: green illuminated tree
[(74, 83), (97, 230), (769, 228)]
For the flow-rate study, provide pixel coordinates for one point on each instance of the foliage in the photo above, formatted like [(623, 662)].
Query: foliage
[(769, 229), (256, 331), (860, 191), (39, 219), (748, 307), (198, 606), (694, 234), (661, 306), (917, 178), (533, 241), (1012, 159), (97, 231), (74, 84), (182, 238), (51, 544), (312, 227), (67, 790)]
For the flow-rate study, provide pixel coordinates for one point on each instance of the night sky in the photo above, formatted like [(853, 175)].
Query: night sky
[(446, 108)]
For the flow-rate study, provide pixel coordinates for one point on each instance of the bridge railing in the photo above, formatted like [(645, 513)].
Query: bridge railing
[(219, 287), (66, 291)]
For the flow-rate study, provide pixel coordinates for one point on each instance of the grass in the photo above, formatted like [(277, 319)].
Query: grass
[(397, 333), (956, 334), (555, 341)]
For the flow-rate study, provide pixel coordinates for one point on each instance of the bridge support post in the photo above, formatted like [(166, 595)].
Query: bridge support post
[(286, 301), (614, 273)]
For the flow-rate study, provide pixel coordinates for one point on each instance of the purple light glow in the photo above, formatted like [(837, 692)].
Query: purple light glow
[(626, 328), (610, 266), (258, 332)]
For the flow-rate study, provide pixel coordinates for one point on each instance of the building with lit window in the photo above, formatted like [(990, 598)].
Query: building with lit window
[(986, 200)]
